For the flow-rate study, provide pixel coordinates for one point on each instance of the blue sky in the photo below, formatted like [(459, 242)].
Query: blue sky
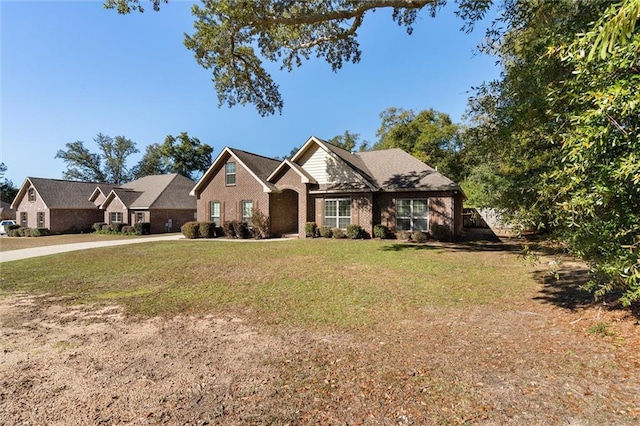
[(70, 70)]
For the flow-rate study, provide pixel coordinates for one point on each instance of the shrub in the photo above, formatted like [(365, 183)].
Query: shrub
[(39, 232), (142, 228), (190, 230), (337, 233), (15, 232), (10, 227), (354, 232), (326, 232), (241, 229), (129, 230), (419, 237), (105, 229), (261, 225), (311, 229), (98, 226), (440, 232), (117, 227), (24, 232), (229, 228), (403, 235), (207, 229), (381, 231)]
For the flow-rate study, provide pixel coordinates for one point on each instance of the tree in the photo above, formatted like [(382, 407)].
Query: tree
[(429, 135), (178, 154), (7, 190), (109, 166), (233, 37), (560, 129), (348, 141)]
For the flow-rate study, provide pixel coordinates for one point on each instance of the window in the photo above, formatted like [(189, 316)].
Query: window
[(230, 173), (412, 215), (337, 212), (41, 220), (215, 212), (23, 220), (139, 217), (247, 211), (32, 194), (115, 217)]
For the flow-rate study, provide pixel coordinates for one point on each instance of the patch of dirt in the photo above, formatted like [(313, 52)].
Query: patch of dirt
[(526, 362)]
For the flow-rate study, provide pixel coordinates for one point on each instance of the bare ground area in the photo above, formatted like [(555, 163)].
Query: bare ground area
[(531, 362)]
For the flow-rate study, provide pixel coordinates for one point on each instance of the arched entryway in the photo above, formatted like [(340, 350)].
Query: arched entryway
[(283, 208)]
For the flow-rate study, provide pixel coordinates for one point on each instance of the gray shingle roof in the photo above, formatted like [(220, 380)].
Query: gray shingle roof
[(394, 169), (158, 191), (261, 166), (60, 194)]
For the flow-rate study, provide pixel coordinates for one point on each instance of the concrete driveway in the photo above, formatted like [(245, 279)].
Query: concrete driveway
[(12, 255)]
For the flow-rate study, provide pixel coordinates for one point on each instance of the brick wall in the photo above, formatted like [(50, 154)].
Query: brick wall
[(159, 218), (284, 212)]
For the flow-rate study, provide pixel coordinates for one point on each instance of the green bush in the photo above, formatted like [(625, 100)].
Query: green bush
[(142, 228), (39, 232), (98, 226), (261, 225), (419, 237), (355, 232), (191, 230), (381, 231), (337, 233), (129, 230), (326, 232), (440, 232), (229, 229), (311, 229), (15, 232), (24, 232), (10, 227), (207, 229), (241, 229), (117, 227), (105, 229)]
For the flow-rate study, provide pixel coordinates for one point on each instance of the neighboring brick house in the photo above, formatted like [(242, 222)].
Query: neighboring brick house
[(69, 206), (59, 205), (162, 200), (328, 185)]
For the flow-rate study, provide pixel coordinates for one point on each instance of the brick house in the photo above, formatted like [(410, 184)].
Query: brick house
[(59, 205), (69, 206), (333, 187)]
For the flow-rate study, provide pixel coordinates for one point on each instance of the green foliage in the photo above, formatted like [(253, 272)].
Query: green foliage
[(355, 232), (601, 329), (98, 226), (403, 235), (206, 229), (191, 230), (429, 135), (348, 141), (337, 233), (142, 228), (241, 229), (7, 190), (261, 224), (229, 228), (440, 232), (381, 231), (116, 227), (15, 232), (106, 228), (39, 232), (326, 232), (311, 229)]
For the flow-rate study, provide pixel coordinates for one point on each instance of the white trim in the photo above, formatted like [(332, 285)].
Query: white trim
[(305, 178)]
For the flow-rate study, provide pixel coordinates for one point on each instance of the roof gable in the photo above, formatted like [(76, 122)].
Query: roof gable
[(258, 166), (58, 194), (154, 191)]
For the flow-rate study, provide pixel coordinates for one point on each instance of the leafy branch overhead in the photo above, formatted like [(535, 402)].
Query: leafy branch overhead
[(233, 38)]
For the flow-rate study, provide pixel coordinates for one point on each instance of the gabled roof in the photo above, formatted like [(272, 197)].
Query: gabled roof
[(155, 191), (258, 166), (304, 176), (100, 189), (58, 194), (394, 169)]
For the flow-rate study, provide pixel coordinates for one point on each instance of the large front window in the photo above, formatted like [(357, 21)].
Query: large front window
[(230, 173), (247, 211), (116, 217), (337, 212), (412, 215), (215, 212)]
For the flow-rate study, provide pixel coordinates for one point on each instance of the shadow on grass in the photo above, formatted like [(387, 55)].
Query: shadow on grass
[(563, 289), (472, 240)]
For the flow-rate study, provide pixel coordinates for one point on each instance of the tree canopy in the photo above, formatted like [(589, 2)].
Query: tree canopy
[(232, 38), (7, 190)]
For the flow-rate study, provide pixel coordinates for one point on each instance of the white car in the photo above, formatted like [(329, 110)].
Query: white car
[(4, 226)]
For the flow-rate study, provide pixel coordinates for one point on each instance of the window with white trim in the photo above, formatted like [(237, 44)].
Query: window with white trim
[(139, 217), (32, 194), (337, 212), (215, 212), (115, 217), (23, 220), (40, 219), (412, 215), (247, 211), (230, 173)]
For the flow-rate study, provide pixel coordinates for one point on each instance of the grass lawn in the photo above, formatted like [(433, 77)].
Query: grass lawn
[(17, 243), (320, 332)]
